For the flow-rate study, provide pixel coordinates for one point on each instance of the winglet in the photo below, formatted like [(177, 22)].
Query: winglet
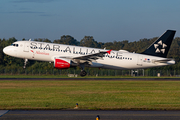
[(109, 51)]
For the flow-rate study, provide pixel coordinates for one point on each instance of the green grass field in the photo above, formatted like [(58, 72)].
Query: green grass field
[(65, 76), (59, 76), (106, 95)]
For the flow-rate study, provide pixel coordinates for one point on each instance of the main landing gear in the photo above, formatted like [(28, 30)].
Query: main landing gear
[(83, 72)]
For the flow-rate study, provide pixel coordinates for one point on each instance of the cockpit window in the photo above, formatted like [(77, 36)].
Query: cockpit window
[(16, 45)]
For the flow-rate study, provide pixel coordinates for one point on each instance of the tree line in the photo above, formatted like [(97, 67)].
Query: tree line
[(88, 41)]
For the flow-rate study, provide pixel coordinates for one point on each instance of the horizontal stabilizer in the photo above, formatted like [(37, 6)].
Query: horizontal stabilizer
[(163, 61)]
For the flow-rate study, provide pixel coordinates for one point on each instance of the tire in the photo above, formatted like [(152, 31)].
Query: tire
[(83, 73)]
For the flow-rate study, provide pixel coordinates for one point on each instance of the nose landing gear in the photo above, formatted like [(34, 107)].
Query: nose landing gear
[(25, 62)]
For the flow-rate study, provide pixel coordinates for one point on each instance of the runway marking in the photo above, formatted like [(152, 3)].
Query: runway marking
[(2, 112)]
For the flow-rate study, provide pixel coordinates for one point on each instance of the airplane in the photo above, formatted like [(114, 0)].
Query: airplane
[(66, 56)]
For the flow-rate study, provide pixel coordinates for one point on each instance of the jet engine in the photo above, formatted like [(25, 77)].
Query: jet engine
[(61, 63)]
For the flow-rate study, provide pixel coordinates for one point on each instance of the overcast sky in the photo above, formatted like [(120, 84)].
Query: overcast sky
[(105, 20)]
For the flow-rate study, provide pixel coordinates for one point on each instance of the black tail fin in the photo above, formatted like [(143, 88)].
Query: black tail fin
[(161, 46)]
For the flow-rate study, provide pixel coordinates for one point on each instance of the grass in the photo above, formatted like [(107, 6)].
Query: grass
[(95, 95), (33, 76), (58, 76), (65, 76)]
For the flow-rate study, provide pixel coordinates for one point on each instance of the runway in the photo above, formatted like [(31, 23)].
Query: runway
[(89, 115)]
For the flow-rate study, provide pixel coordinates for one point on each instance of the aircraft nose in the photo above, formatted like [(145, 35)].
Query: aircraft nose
[(6, 50), (10, 50)]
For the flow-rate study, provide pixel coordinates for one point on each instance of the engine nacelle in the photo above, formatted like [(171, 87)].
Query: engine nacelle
[(60, 63)]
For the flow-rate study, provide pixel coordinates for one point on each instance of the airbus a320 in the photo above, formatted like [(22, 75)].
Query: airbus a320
[(66, 56)]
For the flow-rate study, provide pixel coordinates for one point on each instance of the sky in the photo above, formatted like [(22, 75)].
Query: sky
[(105, 20)]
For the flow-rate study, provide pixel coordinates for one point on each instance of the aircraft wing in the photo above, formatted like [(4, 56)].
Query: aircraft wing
[(91, 57)]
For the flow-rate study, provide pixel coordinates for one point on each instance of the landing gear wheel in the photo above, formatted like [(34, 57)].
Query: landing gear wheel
[(25, 62), (83, 73)]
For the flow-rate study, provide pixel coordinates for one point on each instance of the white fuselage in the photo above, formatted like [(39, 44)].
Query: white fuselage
[(122, 59)]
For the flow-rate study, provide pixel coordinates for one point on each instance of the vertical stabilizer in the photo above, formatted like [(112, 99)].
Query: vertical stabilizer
[(162, 45)]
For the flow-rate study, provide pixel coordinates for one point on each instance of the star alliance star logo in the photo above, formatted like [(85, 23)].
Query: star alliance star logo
[(160, 47)]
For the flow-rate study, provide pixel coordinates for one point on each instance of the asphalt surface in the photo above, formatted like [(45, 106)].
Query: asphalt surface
[(89, 115)]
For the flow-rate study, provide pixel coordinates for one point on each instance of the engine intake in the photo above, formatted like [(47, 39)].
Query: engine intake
[(61, 63)]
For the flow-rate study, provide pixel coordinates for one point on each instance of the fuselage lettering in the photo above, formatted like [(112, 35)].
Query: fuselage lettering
[(33, 45), (75, 50)]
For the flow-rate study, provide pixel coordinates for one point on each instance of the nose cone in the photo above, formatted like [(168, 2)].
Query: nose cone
[(9, 50), (6, 50)]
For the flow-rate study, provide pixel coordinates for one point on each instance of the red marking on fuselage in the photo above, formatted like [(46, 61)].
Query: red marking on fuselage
[(109, 51)]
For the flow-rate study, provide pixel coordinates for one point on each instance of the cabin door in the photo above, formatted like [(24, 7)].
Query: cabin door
[(26, 47)]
